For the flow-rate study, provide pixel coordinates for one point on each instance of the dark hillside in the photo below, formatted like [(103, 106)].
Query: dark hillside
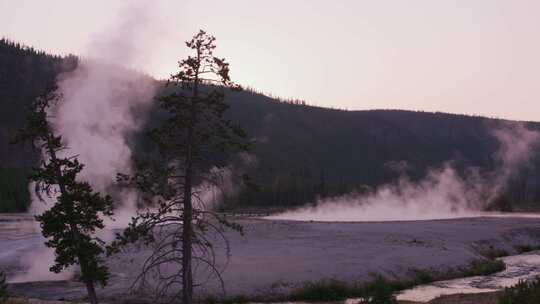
[(305, 151), (24, 74), (302, 151)]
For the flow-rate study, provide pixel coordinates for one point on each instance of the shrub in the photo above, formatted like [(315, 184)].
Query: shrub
[(526, 248), (233, 300), (326, 290), (475, 268), (483, 267), (422, 277), (522, 293), (493, 253), (379, 291)]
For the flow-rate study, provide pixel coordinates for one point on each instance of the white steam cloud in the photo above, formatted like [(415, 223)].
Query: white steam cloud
[(101, 99), (97, 115), (442, 194), (36, 263)]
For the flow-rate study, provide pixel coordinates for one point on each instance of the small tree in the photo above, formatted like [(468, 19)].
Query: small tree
[(70, 224), (193, 139)]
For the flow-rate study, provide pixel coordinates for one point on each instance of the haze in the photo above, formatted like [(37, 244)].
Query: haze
[(474, 57)]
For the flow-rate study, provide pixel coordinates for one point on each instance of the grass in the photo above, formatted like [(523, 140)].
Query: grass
[(493, 253), (475, 268), (526, 248), (232, 300), (378, 291), (479, 298), (482, 267), (379, 288), (525, 292), (337, 291)]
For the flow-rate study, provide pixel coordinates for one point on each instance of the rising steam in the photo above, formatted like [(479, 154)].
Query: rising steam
[(442, 194), (98, 114)]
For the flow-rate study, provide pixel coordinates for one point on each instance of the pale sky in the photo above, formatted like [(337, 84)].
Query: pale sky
[(460, 56)]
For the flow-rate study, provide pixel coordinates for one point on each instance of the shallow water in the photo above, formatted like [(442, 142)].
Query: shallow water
[(519, 267)]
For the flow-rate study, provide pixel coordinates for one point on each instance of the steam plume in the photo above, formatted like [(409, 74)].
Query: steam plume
[(443, 193), (101, 99)]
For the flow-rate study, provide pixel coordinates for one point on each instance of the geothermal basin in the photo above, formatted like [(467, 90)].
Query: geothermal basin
[(275, 256)]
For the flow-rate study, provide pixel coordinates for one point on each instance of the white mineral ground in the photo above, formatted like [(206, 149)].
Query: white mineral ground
[(274, 256)]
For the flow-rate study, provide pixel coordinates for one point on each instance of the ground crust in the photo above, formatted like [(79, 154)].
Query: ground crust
[(277, 256)]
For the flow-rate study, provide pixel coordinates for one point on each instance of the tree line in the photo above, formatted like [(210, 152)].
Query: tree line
[(24, 74)]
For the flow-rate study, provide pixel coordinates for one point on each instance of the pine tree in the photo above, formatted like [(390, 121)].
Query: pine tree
[(76, 214), (194, 137)]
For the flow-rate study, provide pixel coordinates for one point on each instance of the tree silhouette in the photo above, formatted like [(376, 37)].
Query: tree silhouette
[(193, 141), (72, 220)]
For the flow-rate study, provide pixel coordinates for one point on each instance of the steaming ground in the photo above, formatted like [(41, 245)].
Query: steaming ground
[(275, 256), (384, 214), (442, 194)]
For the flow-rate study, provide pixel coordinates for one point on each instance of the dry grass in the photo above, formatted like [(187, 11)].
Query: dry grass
[(480, 298)]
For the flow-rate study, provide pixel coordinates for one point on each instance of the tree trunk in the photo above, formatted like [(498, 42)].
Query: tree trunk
[(187, 275), (187, 231), (92, 297), (187, 220), (90, 288)]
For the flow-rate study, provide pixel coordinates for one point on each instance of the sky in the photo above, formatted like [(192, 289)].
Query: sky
[(478, 57)]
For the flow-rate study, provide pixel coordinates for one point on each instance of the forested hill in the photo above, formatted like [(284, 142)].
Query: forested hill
[(301, 152), (24, 74), (306, 151)]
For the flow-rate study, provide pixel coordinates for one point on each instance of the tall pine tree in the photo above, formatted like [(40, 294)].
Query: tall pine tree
[(193, 138)]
